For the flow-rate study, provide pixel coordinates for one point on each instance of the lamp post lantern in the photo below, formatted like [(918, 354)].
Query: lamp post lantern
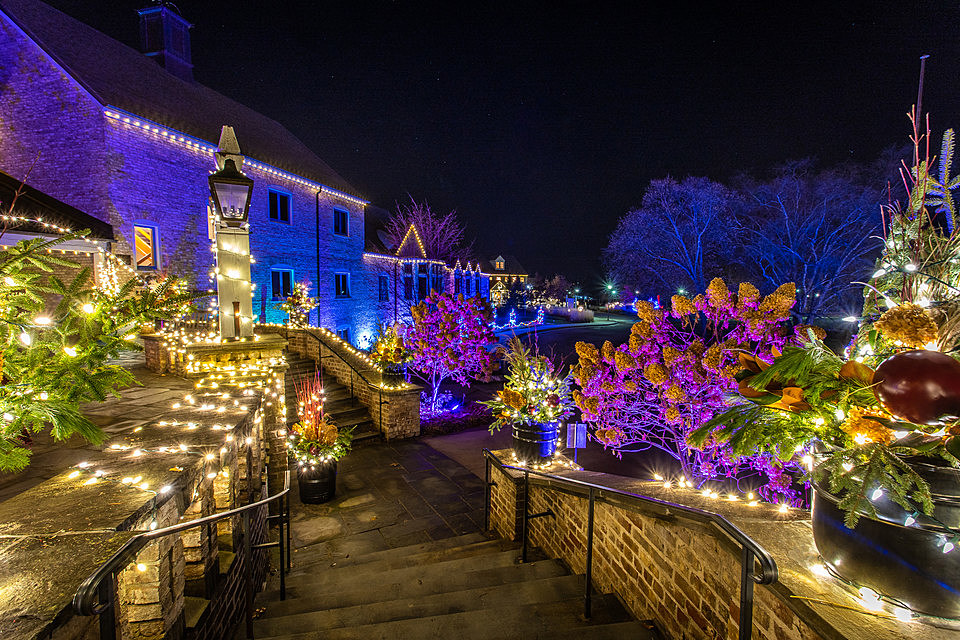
[(230, 190)]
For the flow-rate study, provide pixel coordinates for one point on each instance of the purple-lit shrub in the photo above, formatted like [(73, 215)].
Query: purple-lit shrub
[(675, 371)]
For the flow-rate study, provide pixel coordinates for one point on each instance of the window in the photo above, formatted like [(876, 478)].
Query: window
[(344, 334), (408, 282), (467, 281), (281, 283), (146, 244), (279, 206), (456, 284), (499, 265), (341, 285), (341, 222), (421, 281), (384, 288)]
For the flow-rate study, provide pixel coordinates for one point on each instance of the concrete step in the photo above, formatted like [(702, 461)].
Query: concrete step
[(317, 595), (397, 559), (353, 550), (537, 621), (517, 593), (326, 579)]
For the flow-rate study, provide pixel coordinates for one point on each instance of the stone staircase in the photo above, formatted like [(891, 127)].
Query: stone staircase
[(466, 587), (344, 410)]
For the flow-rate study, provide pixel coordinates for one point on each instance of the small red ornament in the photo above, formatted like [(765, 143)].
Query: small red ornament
[(919, 386), (553, 400)]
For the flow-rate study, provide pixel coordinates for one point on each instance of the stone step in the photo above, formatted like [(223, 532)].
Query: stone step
[(365, 433), (396, 559), (326, 579), (517, 593), (352, 550), (551, 620), (317, 595), (349, 416)]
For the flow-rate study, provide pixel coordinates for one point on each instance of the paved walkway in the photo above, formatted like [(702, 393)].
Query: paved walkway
[(390, 495)]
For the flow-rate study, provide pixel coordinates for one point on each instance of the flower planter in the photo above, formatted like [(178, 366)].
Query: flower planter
[(905, 563), (535, 443), (393, 375), (317, 483)]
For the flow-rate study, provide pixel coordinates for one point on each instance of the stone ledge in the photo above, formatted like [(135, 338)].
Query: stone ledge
[(55, 534)]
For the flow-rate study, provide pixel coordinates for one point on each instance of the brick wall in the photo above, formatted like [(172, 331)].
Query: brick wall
[(678, 574)]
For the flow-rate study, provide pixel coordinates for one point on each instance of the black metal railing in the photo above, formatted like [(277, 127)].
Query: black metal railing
[(751, 553), (97, 594)]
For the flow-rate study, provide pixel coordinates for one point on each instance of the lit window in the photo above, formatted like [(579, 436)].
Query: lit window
[(341, 222), (384, 288), (146, 243), (341, 282), (279, 206), (281, 281), (499, 265)]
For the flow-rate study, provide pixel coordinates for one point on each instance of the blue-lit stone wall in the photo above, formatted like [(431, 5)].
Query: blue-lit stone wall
[(123, 173)]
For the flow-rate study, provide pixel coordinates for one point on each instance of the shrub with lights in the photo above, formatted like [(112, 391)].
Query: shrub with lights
[(53, 357), (532, 402), (298, 305), (673, 373), (885, 414), (450, 338)]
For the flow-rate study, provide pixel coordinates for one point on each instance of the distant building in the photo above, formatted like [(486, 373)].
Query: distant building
[(128, 138), (505, 274)]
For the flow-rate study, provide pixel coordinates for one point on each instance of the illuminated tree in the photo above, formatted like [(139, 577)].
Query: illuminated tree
[(442, 235), (819, 229), (450, 337), (679, 233)]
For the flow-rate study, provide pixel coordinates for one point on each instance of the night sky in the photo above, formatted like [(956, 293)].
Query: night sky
[(541, 124)]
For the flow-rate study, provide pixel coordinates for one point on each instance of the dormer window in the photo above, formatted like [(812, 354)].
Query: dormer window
[(498, 263)]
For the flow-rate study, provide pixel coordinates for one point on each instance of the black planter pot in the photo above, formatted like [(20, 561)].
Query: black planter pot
[(317, 483), (535, 442), (393, 375), (905, 563)]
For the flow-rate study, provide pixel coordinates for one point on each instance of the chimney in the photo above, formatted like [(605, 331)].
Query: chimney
[(165, 37)]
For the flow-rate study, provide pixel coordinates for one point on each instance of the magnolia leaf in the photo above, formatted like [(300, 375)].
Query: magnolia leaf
[(953, 446), (853, 370)]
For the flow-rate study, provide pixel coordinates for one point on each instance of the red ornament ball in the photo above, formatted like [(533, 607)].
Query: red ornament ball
[(919, 386)]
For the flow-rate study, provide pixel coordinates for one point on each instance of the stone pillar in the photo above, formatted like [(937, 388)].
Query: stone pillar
[(151, 589)]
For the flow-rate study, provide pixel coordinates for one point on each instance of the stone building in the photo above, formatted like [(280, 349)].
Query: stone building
[(505, 274), (128, 137)]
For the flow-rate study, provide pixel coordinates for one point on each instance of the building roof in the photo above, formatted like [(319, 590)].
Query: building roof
[(31, 203), (511, 266), (119, 76)]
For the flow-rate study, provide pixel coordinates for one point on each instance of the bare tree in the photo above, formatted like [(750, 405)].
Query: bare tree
[(817, 229), (677, 237), (442, 235)]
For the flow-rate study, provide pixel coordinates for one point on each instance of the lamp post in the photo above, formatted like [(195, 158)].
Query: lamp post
[(231, 190)]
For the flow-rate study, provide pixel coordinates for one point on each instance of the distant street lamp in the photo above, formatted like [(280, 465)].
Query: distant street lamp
[(231, 190)]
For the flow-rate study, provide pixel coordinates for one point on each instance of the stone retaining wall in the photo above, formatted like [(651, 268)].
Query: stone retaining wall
[(395, 411), (225, 432)]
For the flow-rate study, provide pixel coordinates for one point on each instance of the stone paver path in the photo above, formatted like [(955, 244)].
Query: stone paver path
[(390, 495)]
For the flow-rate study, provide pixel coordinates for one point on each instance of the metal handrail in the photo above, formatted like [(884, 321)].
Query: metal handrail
[(751, 551), (342, 358), (96, 594)]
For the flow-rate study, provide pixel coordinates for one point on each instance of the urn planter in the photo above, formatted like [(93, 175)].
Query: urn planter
[(535, 443), (318, 482), (905, 563), (393, 374)]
